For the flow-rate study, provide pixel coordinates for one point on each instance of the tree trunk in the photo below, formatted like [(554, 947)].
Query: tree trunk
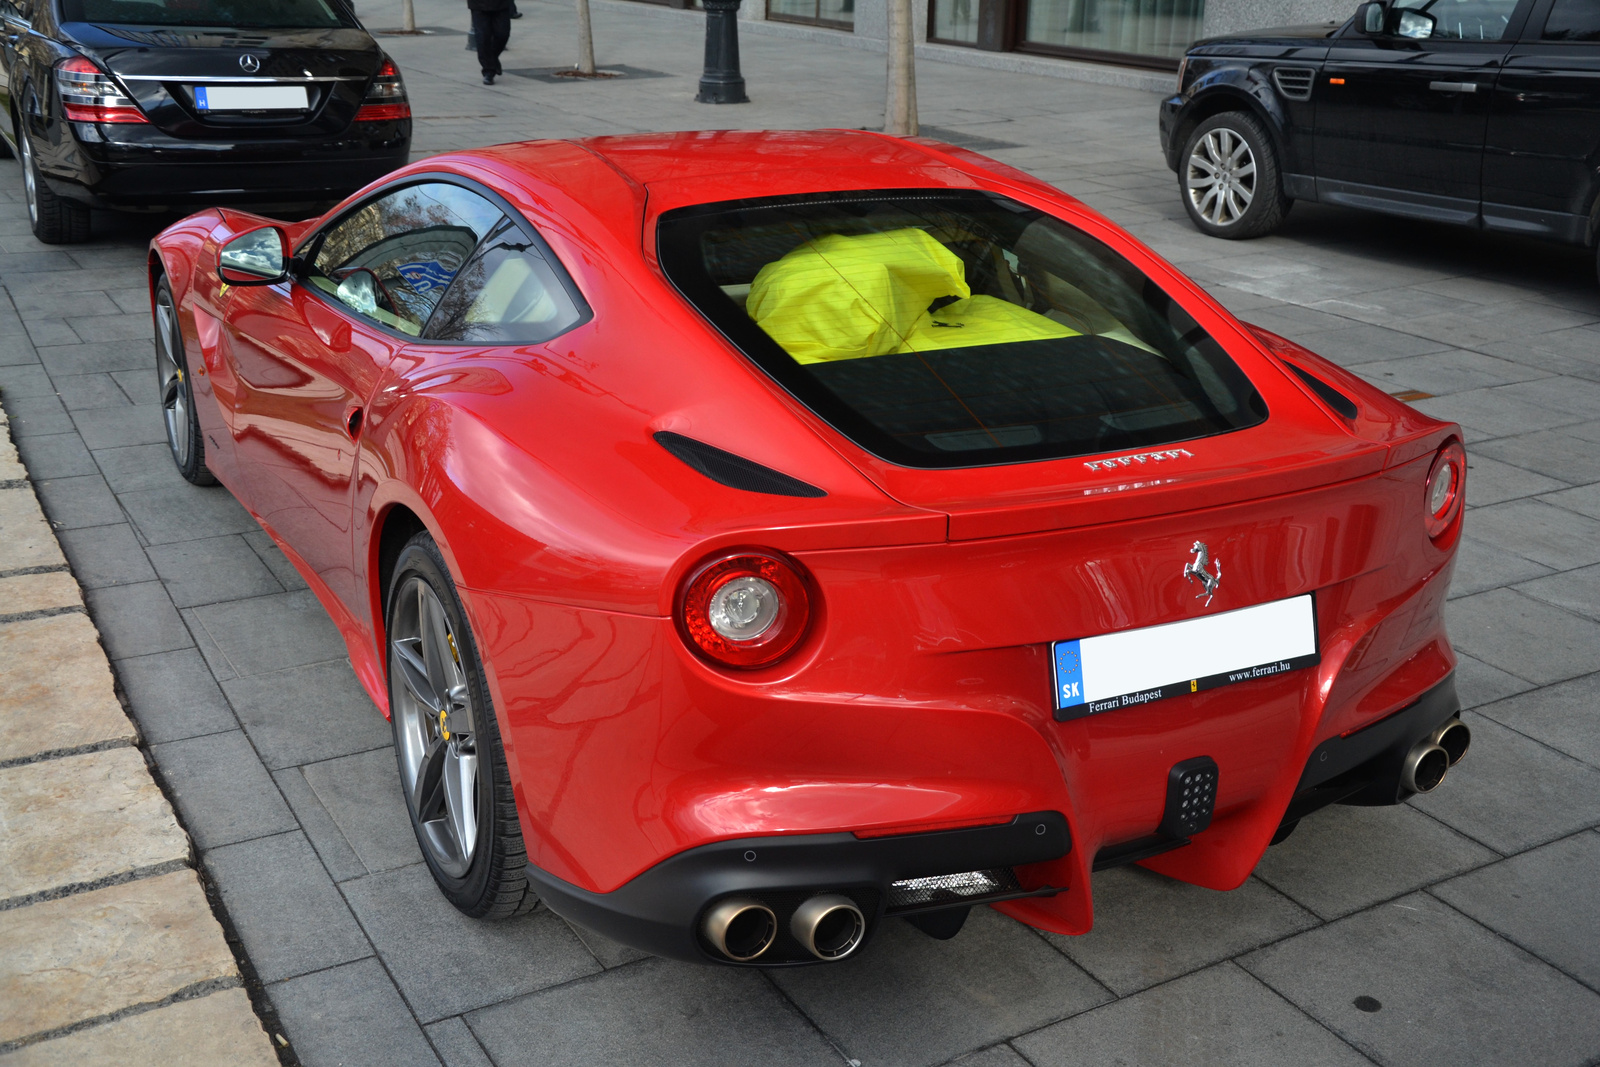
[(408, 16), (900, 110), (585, 39)]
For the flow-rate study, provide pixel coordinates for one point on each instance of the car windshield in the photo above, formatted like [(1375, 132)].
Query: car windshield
[(240, 14), (941, 329)]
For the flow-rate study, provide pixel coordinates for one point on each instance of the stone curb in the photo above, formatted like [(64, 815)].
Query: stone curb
[(109, 952)]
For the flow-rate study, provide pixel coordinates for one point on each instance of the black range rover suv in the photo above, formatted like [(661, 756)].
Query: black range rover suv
[(1484, 113), (165, 104)]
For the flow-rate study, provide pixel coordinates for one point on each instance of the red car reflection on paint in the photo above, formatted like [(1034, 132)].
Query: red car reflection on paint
[(755, 537)]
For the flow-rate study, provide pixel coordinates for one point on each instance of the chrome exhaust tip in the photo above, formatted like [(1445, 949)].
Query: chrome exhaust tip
[(740, 928), (1424, 767), (1454, 738), (829, 926)]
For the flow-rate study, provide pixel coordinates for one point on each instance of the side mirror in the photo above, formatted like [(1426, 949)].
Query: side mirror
[(1415, 24), (1371, 19), (259, 257)]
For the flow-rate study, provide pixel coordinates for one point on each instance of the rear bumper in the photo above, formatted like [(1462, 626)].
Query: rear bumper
[(659, 910), (160, 173)]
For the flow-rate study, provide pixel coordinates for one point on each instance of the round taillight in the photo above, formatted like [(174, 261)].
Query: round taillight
[(745, 609), (1446, 488)]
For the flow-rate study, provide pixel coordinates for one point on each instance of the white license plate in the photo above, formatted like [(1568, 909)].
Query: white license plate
[(250, 97), (1120, 670)]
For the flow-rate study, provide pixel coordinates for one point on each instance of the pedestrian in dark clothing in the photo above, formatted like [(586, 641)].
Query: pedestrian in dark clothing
[(491, 24)]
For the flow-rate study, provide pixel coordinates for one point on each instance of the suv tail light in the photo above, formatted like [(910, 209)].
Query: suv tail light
[(1446, 488), (745, 609), (386, 99), (90, 95)]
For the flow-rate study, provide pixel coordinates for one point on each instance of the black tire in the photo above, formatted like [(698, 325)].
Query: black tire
[(55, 219), (1229, 179), (184, 440), (490, 880)]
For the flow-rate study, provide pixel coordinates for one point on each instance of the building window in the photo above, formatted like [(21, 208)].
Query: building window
[(840, 14), (1148, 29), (1153, 33), (955, 21)]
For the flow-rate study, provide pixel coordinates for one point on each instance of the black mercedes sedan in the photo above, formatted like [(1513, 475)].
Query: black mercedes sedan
[(1484, 113), (171, 104)]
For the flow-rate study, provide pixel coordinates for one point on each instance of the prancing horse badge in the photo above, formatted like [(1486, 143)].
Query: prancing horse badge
[(1198, 570)]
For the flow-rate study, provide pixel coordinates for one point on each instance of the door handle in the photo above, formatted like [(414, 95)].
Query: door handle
[(1453, 87), (352, 423)]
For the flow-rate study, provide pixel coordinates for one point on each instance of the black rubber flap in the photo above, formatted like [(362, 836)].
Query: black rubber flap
[(1334, 399), (734, 471)]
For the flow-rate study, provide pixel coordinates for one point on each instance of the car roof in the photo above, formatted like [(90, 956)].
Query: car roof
[(710, 166)]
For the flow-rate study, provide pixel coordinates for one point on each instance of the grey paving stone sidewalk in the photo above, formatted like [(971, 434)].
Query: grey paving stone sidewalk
[(1468, 917)]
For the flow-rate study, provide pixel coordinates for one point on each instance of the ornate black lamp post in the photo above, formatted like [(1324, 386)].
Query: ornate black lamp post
[(722, 83)]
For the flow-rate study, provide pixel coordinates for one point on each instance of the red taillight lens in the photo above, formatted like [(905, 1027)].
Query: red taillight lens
[(386, 99), (1446, 488), (88, 95), (745, 609)]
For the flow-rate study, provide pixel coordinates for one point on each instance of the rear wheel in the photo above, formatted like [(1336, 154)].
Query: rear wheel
[(184, 439), (452, 766), (55, 219), (1229, 178)]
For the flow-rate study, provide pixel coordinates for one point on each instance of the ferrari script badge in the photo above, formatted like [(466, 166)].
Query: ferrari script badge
[(250, 64), (1198, 570)]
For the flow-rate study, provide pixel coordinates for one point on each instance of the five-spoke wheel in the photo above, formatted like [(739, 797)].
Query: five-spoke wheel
[(177, 397), (434, 727), (447, 742)]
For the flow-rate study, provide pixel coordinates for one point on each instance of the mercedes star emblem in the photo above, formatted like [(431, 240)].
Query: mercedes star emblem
[(250, 64)]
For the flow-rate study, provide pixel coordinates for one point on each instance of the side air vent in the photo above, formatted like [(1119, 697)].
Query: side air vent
[(1294, 82), (1335, 399), (734, 471)]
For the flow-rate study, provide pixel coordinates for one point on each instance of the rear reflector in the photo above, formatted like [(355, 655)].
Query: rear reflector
[(931, 827), (383, 112)]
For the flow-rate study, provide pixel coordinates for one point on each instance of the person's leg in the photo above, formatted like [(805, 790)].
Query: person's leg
[(502, 35), (488, 54)]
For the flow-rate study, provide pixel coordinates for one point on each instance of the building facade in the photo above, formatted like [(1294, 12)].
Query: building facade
[(1131, 33)]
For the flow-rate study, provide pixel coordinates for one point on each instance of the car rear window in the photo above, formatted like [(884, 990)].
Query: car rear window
[(940, 329), (243, 14)]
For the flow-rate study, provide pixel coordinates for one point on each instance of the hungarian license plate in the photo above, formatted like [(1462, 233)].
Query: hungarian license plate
[(1120, 670), (250, 97)]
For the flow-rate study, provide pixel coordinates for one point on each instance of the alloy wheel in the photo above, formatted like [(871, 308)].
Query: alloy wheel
[(434, 727), (30, 182), (170, 376), (1221, 177)]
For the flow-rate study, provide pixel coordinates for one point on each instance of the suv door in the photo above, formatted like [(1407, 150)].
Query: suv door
[(1400, 124), (1539, 165)]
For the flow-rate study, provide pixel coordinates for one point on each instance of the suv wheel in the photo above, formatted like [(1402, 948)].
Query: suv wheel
[(1229, 178), (56, 220)]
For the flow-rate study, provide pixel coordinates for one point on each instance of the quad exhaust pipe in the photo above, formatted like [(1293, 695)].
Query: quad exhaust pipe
[(1429, 759), (740, 928), (829, 926)]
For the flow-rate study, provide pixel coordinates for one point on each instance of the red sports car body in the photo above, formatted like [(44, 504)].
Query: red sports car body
[(622, 504)]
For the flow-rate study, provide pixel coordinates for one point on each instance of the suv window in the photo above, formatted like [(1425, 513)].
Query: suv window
[(1573, 20), (508, 294), (393, 258), (938, 328), (1464, 20)]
